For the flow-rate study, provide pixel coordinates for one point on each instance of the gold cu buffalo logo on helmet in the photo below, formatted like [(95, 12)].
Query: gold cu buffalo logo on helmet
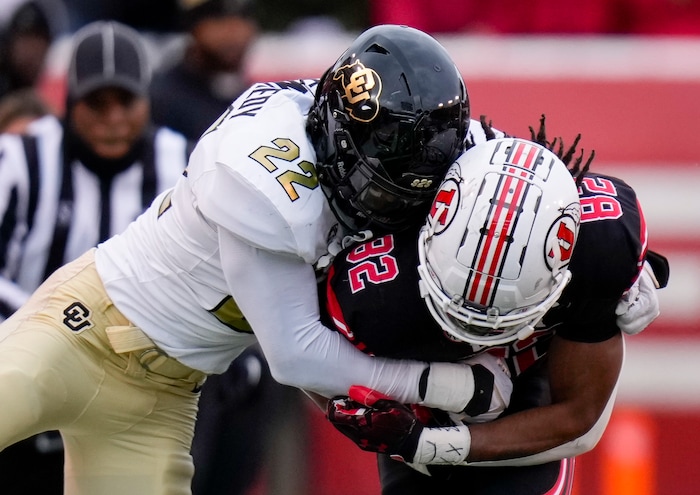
[(362, 87)]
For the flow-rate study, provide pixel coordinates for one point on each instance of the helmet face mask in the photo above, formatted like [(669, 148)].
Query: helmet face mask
[(385, 129), (494, 253), (370, 194)]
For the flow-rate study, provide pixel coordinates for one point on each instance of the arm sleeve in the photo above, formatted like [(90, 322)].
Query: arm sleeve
[(278, 296)]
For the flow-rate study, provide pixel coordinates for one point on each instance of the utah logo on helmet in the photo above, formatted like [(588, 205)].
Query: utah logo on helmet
[(498, 240), (445, 204), (561, 238)]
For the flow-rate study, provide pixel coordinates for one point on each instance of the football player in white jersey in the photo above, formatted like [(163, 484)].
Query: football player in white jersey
[(111, 350)]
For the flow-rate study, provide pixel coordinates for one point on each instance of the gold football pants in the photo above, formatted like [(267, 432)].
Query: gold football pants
[(70, 361)]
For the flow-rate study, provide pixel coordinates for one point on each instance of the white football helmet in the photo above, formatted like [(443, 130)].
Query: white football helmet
[(496, 246)]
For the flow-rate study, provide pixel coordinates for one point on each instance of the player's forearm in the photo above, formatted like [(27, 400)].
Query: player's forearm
[(326, 364), (303, 353), (583, 377), (527, 433), (569, 449), (530, 437)]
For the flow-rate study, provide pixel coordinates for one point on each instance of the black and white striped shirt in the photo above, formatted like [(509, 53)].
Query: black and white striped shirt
[(51, 213)]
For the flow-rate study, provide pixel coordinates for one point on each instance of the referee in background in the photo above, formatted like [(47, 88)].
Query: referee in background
[(66, 185)]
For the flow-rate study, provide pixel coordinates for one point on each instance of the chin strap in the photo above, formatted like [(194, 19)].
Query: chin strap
[(357, 237), (337, 244)]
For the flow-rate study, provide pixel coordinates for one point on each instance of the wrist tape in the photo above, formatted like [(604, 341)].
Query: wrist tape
[(448, 445)]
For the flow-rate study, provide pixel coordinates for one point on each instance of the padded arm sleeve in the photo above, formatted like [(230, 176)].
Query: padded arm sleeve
[(278, 296)]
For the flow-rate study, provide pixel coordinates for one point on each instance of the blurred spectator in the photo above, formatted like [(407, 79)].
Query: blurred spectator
[(196, 86), (282, 15), (19, 108), (25, 37), (74, 183), (150, 16)]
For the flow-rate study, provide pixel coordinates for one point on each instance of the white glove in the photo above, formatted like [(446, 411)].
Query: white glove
[(639, 306), (479, 386), (502, 389)]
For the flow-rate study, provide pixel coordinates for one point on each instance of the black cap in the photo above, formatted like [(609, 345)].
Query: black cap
[(107, 54), (193, 11)]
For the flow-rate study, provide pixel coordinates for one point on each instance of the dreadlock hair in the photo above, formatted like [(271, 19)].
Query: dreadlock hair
[(540, 137), (487, 127), (488, 132), (578, 172)]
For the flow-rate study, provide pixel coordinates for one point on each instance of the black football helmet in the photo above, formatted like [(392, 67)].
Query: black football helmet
[(390, 116)]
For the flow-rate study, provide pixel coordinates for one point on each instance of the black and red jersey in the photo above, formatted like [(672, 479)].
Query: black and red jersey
[(372, 297), (608, 257)]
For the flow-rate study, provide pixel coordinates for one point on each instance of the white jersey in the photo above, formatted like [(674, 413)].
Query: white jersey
[(165, 271)]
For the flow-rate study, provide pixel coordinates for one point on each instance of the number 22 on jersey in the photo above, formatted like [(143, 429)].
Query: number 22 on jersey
[(288, 151)]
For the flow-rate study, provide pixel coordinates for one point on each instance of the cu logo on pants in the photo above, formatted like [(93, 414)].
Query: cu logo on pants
[(76, 317)]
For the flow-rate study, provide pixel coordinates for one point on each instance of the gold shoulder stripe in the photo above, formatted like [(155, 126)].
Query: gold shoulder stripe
[(165, 204)]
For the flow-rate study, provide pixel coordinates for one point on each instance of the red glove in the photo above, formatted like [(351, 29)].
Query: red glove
[(368, 397), (376, 423)]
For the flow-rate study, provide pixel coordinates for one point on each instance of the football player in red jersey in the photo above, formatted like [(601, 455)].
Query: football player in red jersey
[(499, 275)]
